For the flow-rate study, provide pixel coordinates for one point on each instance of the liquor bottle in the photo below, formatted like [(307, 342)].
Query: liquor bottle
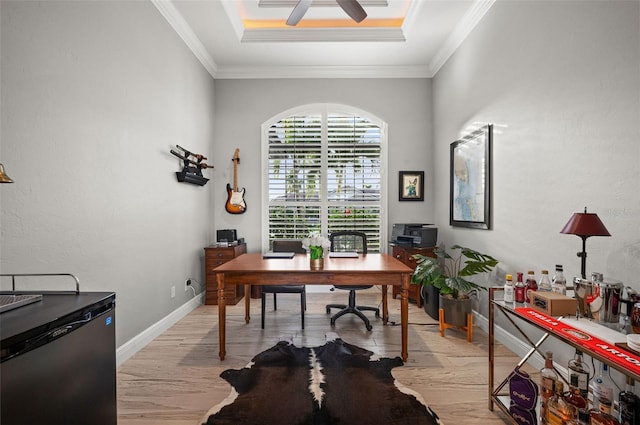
[(629, 405), (559, 412), (545, 283), (558, 282), (597, 417), (548, 379), (574, 398), (581, 372), (508, 289), (531, 285), (603, 390), (519, 289)]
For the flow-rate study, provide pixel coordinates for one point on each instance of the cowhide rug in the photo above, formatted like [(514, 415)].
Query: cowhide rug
[(336, 383)]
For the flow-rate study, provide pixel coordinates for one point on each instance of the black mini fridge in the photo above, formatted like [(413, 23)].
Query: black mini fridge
[(58, 363)]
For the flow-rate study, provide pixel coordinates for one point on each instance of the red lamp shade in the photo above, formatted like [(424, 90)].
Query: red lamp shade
[(585, 224)]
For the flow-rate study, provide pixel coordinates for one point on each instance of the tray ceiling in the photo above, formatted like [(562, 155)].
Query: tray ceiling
[(249, 38)]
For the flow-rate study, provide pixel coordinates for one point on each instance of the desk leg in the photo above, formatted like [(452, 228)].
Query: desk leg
[(247, 303), (385, 307), (222, 315), (404, 315)]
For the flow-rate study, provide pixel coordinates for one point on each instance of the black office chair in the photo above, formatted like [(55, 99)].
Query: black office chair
[(280, 245), (350, 241)]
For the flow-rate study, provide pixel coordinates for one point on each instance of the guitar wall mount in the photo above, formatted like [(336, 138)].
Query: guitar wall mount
[(191, 170)]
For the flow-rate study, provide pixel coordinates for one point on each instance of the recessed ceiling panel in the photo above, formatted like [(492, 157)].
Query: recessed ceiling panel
[(265, 20), (415, 35)]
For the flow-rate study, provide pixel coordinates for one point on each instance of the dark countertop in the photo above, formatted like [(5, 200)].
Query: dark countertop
[(54, 309)]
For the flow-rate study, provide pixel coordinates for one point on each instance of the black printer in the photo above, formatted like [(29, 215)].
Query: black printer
[(418, 235)]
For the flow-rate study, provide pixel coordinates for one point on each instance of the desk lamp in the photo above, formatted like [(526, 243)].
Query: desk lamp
[(3, 176), (584, 225)]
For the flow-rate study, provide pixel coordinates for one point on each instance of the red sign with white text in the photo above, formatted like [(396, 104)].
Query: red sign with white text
[(614, 355)]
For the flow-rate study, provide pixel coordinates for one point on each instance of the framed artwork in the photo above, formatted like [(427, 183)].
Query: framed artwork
[(411, 187), (470, 199)]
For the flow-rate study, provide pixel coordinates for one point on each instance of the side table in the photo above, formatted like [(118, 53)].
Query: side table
[(404, 253), (215, 256)]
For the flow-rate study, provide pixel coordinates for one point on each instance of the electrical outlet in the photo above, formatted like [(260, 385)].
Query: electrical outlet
[(187, 283), (173, 292)]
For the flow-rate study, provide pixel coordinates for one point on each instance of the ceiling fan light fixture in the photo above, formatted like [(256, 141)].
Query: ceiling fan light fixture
[(350, 7), (353, 9), (298, 12)]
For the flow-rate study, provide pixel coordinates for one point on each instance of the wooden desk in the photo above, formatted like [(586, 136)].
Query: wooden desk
[(368, 269)]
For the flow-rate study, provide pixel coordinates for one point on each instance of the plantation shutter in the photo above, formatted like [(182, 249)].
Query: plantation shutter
[(324, 174)]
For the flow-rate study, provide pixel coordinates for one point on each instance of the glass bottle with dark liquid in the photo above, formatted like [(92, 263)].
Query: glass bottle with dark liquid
[(519, 289), (530, 285), (629, 404)]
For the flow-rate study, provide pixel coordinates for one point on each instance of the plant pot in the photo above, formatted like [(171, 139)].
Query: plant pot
[(455, 310), (316, 263), (430, 295)]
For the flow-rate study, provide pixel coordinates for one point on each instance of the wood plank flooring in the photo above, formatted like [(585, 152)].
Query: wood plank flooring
[(175, 379)]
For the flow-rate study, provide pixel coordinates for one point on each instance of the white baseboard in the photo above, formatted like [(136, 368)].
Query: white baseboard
[(135, 344)]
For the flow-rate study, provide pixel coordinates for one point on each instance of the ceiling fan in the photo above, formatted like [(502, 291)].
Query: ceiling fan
[(351, 7)]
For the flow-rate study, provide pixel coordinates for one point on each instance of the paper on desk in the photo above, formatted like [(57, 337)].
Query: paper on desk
[(343, 254)]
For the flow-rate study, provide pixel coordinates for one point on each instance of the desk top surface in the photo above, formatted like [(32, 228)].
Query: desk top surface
[(364, 263)]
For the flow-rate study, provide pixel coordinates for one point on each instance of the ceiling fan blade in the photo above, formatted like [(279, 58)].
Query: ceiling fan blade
[(353, 9), (298, 12)]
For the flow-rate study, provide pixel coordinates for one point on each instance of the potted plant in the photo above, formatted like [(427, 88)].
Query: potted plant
[(316, 244), (448, 274)]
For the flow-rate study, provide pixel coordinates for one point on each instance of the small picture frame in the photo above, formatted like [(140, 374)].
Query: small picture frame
[(411, 186), (470, 199)]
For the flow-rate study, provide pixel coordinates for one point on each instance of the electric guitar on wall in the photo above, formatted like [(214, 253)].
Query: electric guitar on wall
[(235, 198)]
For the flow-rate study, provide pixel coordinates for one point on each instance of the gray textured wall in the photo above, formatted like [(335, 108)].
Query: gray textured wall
[(93, 96)]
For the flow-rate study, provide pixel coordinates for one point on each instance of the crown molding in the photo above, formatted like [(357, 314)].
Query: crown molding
[(460, 33), (234, 18), (180, 26), (410, 17), (322, 34), (277, 72)]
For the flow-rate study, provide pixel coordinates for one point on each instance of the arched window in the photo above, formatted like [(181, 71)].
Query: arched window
[(323, 170)]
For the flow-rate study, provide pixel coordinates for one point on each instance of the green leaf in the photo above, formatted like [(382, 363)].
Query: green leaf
[(476, 262), (433, 271)]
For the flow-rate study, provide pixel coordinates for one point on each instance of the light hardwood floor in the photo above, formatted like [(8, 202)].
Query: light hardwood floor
[(175, 379)]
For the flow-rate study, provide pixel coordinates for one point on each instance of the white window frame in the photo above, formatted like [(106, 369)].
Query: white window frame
[(324, 109)]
